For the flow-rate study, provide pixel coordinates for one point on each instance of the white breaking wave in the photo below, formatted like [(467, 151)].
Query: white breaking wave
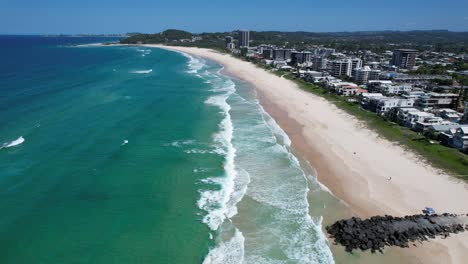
[(143, 71), (180, 143), (195, 64), (205, 151), (275, 128), (291, 229), (13, 143), (227, 252), (144, 50), (217, 202), (300, 248), (220, 204), (201, 169)]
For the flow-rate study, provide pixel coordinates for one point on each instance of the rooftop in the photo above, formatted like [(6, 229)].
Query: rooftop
[(406, 50)]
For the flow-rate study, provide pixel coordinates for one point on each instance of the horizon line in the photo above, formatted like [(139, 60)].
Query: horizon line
[(324, 32)]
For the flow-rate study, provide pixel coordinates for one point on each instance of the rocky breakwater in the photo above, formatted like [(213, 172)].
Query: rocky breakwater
[(379, 231)]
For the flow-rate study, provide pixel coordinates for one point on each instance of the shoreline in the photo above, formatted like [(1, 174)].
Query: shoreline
[(371, 175)]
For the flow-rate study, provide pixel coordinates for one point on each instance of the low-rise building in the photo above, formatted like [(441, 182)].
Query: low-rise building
[(437, 100), (465, 115), (365, 99), (389, 88), (449, 115), (396, 89), (406, 78), (310, 76), (403, 116), (413, 94), (347, 90), (335, 84), (443, 127), (279, 64), (414, 117), (460, 138), (384, 105), (423, 125)]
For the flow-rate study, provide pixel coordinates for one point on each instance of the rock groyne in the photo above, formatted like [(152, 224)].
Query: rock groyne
[(379, 231)]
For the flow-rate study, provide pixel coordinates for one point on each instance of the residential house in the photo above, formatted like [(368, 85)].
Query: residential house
[(460, 138), (437, 100), (427, 122), (347, 90), (449, 114), (417, 116), (384, 105), (465, 116), (402, 115)]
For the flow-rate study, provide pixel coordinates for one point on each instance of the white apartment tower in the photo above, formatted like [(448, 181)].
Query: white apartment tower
[(341, 68)]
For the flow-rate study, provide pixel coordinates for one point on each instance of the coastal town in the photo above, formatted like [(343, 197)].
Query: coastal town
[(404, 86), (234, 133)]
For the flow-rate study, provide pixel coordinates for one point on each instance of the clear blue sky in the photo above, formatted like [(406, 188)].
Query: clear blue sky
[(119, 16)]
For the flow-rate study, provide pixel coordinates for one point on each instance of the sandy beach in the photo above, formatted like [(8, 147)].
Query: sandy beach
[(369, 174)]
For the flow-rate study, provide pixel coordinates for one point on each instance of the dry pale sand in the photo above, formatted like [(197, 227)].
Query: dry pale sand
[(353, 161)]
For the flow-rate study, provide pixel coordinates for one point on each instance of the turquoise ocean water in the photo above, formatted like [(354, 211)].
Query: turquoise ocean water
[(139, 155)]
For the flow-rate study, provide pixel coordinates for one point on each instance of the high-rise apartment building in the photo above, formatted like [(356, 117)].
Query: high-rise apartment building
[(404, 58), (244, 38)]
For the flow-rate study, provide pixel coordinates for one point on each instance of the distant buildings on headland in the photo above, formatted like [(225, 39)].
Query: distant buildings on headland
[(89, 35), (385, 83)]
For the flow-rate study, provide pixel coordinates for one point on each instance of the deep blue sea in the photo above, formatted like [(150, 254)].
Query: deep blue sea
[(141, 155)]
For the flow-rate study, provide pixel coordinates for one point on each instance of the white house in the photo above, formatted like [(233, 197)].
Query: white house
[(403, 115), (426, 123), (395, 89), (414, 117), (385, 104), (347, 90)]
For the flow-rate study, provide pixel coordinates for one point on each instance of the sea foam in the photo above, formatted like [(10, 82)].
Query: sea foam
[(143, 71), (220, 204), (13, 143), (217, 202), (228, 252), (299, 247), (307, 243)]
